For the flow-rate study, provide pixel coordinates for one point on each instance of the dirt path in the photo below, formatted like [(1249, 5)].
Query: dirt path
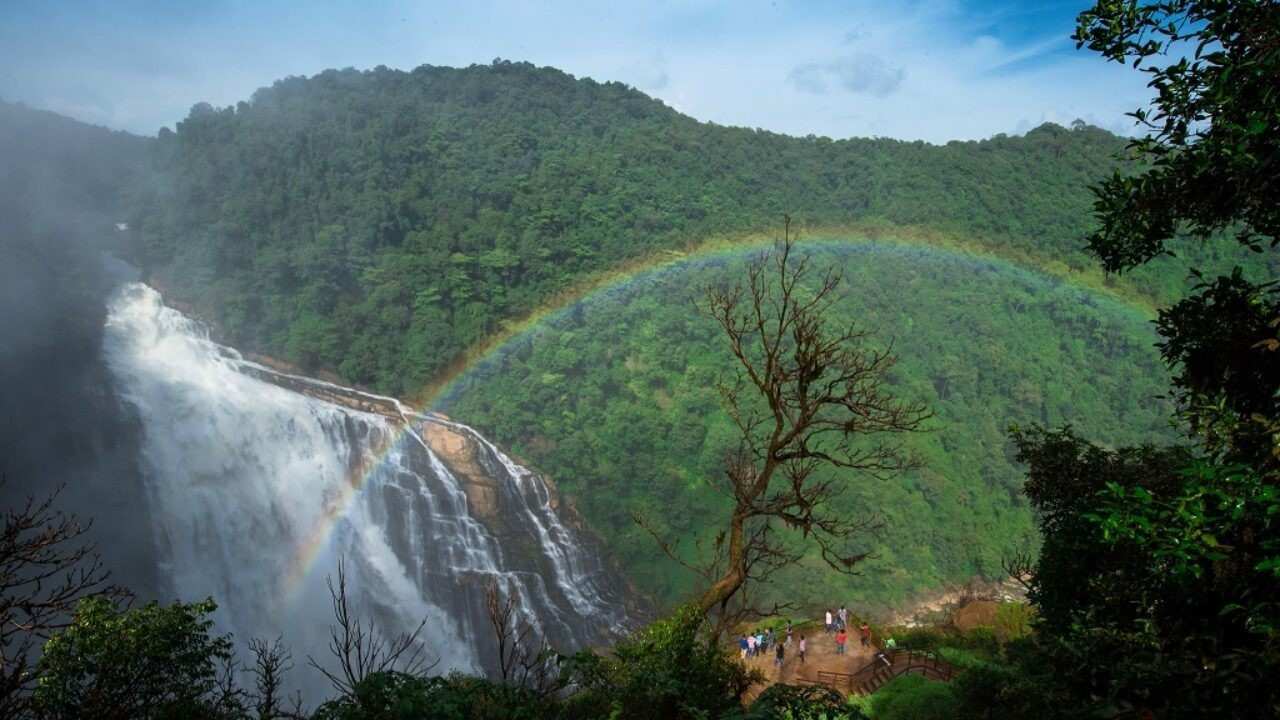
[(821, 656)]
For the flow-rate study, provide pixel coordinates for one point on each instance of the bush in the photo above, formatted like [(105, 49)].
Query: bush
[(912, 697), (400, 696), (802, 702), (1013, 621), (149, 662), (671, 669)]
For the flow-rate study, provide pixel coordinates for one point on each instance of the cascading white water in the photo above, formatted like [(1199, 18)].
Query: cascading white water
[(257, 490)]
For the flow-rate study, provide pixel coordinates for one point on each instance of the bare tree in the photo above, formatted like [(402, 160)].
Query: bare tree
[(361, 649), (808, 393), (1019, 565), (270, 663), (46, 567), (525, 659)]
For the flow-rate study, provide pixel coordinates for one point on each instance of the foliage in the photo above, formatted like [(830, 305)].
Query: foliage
[(149, 662), (1209, 167), (380, 223), (1211, 590), (1221, 341), (1157, 582), (797, 701), (614, 399), (393, 695), (1013, 621), (1210, 157), (671, 669), (801, 702), (1021, 685), (913, 697), (1164, 565)]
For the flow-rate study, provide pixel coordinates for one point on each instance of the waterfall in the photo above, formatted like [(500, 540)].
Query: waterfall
[(258, 485)]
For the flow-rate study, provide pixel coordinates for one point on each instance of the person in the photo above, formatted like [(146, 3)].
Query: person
[(742, 645), (751, 646), (865, 631), (882, 657), (803, 646), (760, 640), (788, 640), (778, 654), (841, 638), (829, 620), (844, 617), (890, 644), (769, 638)]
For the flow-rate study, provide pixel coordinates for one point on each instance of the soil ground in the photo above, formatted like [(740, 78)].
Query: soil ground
[(821, 655)]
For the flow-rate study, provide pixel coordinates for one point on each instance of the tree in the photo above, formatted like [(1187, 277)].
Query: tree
[(1212, 148), (807, 394), (46, 568), (1158, 585), (525, 659), (150, 662), (270, 663), (1211, 165), (362, 650)]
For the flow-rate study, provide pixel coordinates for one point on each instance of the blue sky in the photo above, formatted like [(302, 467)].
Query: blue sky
[(935, 70)]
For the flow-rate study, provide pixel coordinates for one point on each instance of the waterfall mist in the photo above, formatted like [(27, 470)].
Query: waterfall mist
[(257, 490)]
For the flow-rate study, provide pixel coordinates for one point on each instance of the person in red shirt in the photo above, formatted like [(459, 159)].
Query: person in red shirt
[(842, 636), (865, 632)]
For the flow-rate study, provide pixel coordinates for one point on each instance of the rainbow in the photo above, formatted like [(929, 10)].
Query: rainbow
[(317, 538), (715, 247)]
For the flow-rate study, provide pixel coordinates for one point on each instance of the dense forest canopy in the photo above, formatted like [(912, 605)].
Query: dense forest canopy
[(379, 223), (615, 397)]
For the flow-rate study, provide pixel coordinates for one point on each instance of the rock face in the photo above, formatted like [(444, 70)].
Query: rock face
[(460, 452)]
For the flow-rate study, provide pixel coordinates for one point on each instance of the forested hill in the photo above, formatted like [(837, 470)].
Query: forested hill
[(380, 222)]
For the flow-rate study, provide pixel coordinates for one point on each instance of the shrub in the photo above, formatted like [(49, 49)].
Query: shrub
[(802, 702), (400, 696), (912, 697), (149, 662), (671, 669)]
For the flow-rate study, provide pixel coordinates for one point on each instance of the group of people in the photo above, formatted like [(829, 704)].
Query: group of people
[(766, 642), (758, 644), (838, 623)]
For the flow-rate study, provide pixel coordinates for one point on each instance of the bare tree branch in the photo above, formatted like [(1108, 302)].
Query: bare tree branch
[(361, 649), (1020, 566), (270, 663), (46, 567), (525, 659)]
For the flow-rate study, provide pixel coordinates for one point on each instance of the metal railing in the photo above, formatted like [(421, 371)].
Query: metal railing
[(885, 667)]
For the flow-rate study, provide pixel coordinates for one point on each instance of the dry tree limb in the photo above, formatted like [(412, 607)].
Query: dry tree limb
[(47, 565), (361, 649)]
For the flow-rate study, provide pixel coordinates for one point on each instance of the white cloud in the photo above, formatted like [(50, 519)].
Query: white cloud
[(858, 73)]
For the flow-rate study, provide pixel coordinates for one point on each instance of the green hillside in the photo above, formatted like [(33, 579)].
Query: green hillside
[(388, 225), (379, 223), (614, 396)]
